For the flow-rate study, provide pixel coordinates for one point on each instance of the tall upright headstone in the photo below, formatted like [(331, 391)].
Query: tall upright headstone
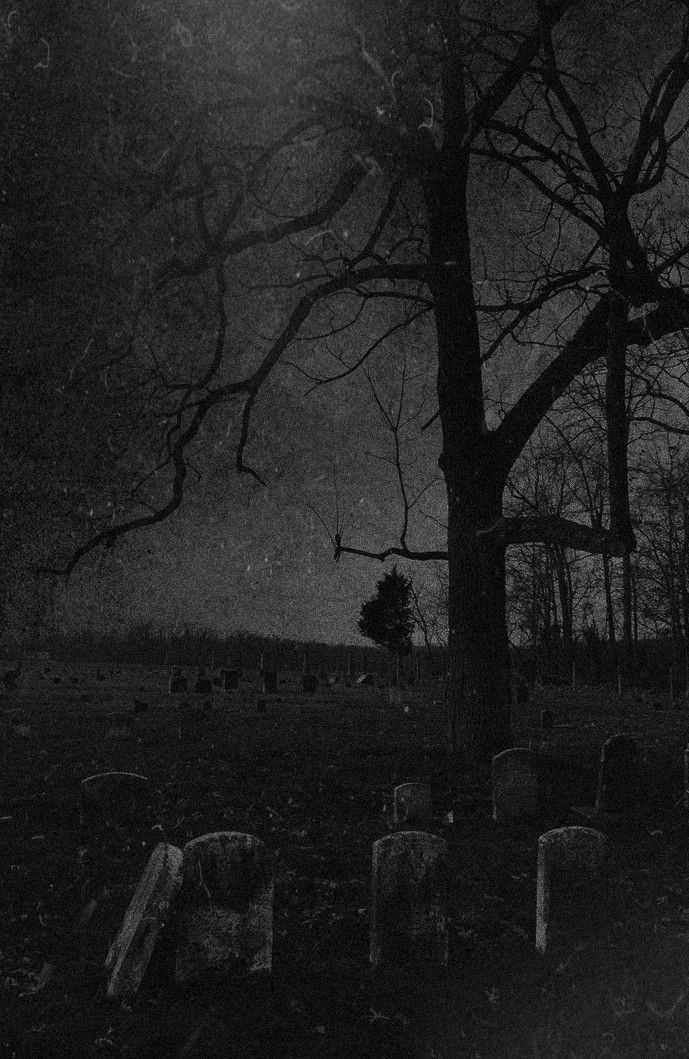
[(516, 788), (225, 906), (620, 780), (408, 900), (571, 885)]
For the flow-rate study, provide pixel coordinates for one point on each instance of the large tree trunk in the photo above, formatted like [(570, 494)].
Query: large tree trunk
[(479, 682)]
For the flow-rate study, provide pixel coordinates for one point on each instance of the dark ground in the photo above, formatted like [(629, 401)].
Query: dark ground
[(313, 777)]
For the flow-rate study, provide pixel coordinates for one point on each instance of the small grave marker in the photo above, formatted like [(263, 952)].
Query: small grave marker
[(619, 778), (178, 682), (145, 917), (408, 883), (571, 886), (516, 793), (270, 682), (412, 805), (226, 905)]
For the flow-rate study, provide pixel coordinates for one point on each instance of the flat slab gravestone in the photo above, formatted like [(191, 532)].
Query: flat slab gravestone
[(117, 802), (412, 805), (516, 789), (620, 782), (571, 885), (226, 906), (131, 951), (408, 900)]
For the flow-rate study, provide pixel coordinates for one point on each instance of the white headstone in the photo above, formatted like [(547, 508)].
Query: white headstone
[(571, 881)]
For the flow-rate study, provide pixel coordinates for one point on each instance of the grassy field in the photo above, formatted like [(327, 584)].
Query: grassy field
[(313, 776)]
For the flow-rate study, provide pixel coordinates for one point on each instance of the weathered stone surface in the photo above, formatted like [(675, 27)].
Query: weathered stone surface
[(412, 805), (408, 900), (572, 882), (270, 682), (516, 793), (620, 782), (131, 950), (119, 803), (226, 906)]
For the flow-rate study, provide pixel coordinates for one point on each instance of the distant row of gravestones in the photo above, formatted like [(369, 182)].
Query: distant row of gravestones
[(221, 884), (229, 680)]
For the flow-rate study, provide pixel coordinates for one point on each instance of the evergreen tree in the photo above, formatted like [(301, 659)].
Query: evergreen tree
[(387, 617)]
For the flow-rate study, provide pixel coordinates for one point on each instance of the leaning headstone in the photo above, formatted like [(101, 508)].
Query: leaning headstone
[(116, 806), (408, 916), (310, 683), (230, 679), (226, 906), (178, 682), (204, 684), (619, 778), (148, 910), (516, 793), (571, 885), (412, 805), (270, 682)]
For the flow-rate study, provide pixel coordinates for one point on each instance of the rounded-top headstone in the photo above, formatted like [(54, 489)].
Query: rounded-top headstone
[(408, 900), (516, 789), (412, 805), (620, 786), (226, 905), (571, 885)]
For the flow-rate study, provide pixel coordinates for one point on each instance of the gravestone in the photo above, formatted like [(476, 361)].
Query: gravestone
[(310, 683), (270, 682), (572, 884), (412, 805), (408, 897), (131, 951), (204, 684), (230, 680), (226, 906), (178, 682), (516, 790), (620, 785), (116, 805)]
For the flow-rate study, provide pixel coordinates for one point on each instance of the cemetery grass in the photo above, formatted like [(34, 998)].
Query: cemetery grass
[(313, 776)]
